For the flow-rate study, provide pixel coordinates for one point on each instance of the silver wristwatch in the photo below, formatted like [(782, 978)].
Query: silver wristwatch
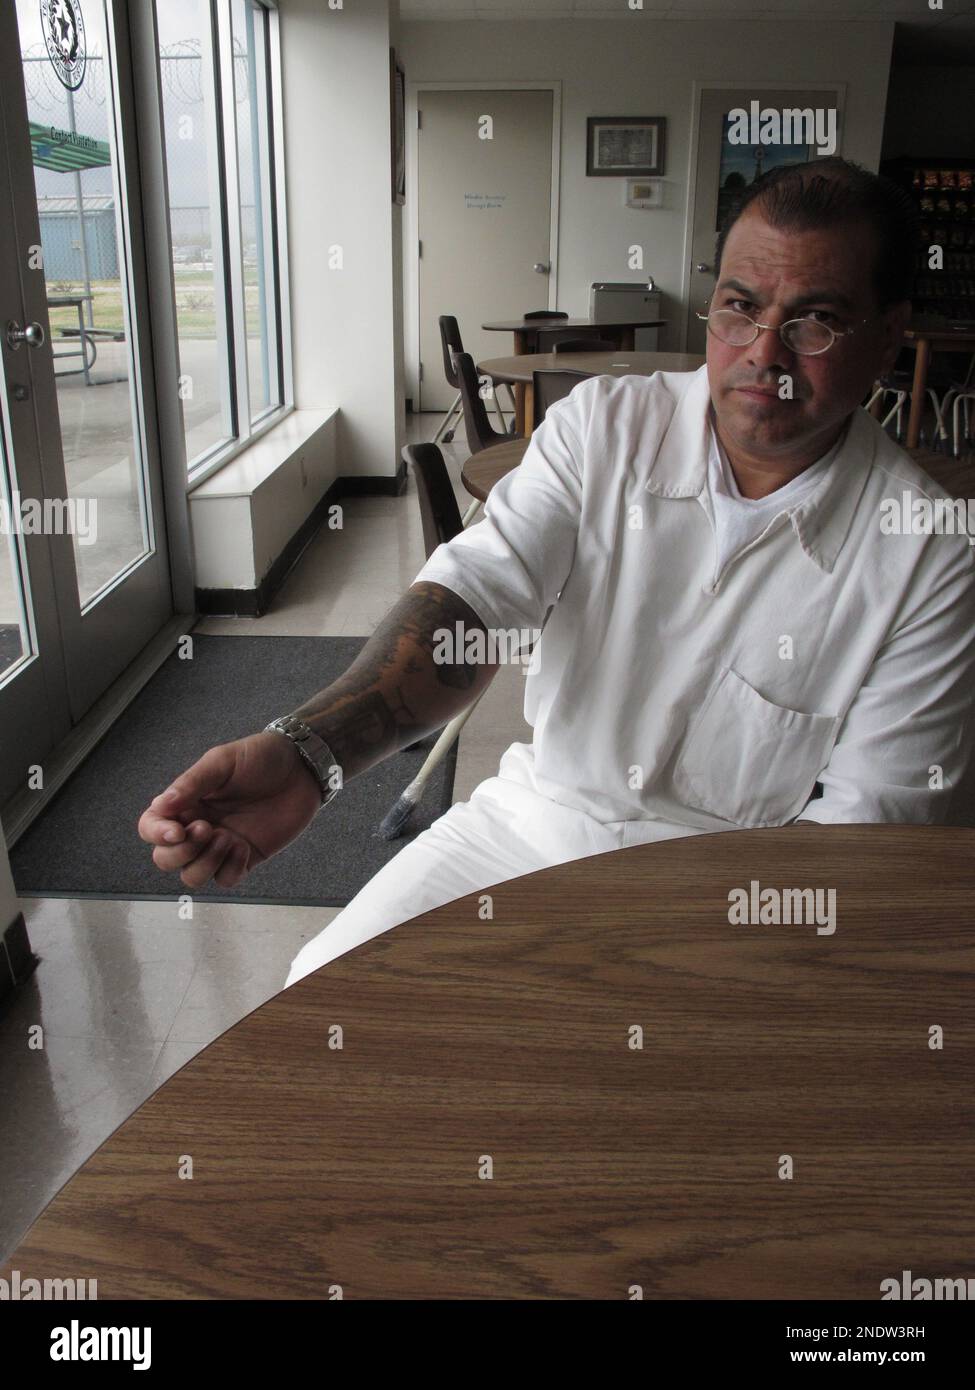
[(314, 751)]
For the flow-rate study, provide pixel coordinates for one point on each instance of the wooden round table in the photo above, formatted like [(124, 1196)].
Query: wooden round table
[(518, 370), (607, 1084), (525, 331), (483, 470)]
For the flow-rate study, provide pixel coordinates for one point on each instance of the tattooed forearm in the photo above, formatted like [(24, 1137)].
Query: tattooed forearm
[(407, 632), (395, 692)]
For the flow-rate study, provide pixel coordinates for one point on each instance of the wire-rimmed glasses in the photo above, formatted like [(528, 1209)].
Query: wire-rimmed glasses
[(805, 336)]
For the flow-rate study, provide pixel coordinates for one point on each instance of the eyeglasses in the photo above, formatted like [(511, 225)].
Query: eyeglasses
[(805, 336)]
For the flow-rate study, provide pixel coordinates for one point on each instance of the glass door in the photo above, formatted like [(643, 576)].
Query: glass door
[(84, 575)]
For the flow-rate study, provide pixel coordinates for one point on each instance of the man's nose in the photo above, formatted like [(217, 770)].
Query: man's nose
[(768, 352)]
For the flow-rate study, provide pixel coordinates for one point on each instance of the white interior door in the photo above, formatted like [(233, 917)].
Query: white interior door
[(485, 219), (717, 163)]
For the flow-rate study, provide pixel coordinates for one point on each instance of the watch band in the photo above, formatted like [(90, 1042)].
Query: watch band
[(314, 751)]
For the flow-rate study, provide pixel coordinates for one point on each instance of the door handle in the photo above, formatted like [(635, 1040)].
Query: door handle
[(32, 335), (702, 267), (542, 267)]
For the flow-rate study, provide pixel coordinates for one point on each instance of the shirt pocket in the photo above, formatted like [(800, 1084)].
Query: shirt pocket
[(748, 760)]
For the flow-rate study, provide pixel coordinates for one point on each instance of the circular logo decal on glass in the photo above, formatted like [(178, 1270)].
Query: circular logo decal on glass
[(64, 34)]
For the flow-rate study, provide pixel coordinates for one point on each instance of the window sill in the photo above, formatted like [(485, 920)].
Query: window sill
[(224, 453), (249, 468), (245, 515)]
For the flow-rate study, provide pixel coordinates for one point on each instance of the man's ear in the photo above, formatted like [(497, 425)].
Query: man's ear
[(896, 319)]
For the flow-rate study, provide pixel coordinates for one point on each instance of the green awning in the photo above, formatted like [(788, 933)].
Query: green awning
[(65, 150)]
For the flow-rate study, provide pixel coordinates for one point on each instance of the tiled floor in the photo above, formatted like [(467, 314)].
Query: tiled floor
[(126, 992)]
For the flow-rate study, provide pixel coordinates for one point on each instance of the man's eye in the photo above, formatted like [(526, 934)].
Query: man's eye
[(824, 314), (741, 305)]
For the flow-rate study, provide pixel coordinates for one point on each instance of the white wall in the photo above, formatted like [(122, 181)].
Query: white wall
[(335, 75), (931, 112), (639, 65)]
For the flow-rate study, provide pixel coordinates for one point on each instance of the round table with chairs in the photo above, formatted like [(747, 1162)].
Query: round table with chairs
[(519, 369), (541, 329)]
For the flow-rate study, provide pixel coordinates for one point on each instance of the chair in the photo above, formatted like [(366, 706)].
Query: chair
[(441, 519), (892, 384), (439, 511), (585, 345), (899, 384), (554, 340), (963, 392), (480, 432), (542, 314), (450, 343), (962, 398), (550, 385)]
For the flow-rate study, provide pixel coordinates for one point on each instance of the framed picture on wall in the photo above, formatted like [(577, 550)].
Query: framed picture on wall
[(397, 126), (625, 146)]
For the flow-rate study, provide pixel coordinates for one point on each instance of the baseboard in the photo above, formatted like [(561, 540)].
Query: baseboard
[(372, 486), (253, 603)]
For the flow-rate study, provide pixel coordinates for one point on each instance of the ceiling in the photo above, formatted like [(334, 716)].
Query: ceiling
[(922, 37)]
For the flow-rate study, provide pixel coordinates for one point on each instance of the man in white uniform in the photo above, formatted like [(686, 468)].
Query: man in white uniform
[(732, 637)]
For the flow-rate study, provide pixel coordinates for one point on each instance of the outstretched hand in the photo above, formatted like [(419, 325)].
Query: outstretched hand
[(236, 806)]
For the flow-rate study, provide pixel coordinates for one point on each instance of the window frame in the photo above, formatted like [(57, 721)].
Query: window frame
[(265, 218), (228, 242)]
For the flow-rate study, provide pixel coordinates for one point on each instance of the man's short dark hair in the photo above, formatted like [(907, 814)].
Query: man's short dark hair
[(832, 192)]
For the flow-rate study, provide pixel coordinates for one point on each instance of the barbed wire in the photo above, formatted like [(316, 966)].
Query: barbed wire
[(182, 72), (45, 91), (181, 68)]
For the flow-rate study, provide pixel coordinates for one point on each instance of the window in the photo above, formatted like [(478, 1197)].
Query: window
[(217, 70), (258, 231), (196, 223)]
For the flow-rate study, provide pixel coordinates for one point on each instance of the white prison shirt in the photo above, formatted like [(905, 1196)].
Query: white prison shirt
[(826, 652), (740, 520)]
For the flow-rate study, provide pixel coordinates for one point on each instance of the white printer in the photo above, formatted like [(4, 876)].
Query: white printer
[(625, 301)]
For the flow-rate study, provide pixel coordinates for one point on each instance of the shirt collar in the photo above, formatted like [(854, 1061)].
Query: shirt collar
[(821, 521)]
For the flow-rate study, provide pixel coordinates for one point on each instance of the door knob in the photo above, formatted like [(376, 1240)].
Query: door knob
[(542, 267), (32, 335), (702, 267)]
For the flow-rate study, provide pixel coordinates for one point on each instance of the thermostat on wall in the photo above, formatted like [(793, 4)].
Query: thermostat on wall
[(644, 193)]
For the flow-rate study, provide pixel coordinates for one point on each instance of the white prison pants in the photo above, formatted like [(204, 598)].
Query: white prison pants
[(504, 831)]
